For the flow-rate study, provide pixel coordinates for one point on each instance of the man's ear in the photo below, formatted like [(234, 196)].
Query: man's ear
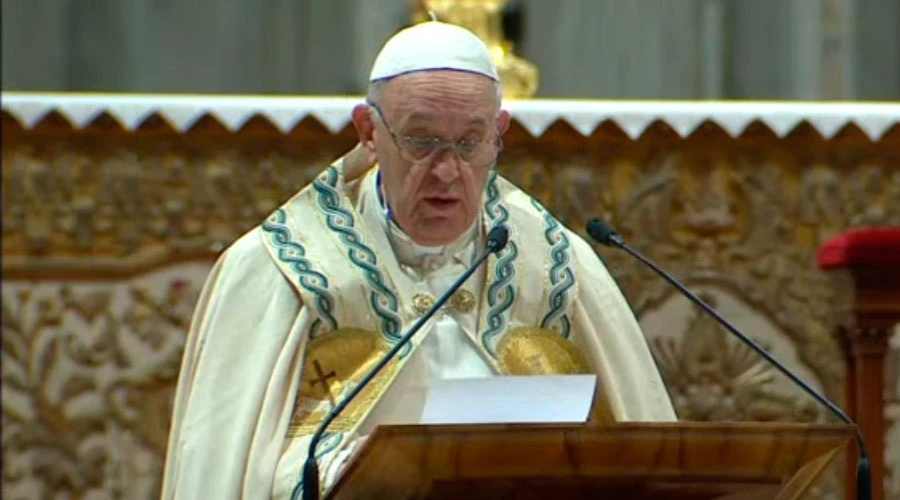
[(503, 121), (365, 126)]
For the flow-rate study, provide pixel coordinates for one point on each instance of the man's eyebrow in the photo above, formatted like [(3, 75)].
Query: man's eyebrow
[(425, 117), (418, 118)]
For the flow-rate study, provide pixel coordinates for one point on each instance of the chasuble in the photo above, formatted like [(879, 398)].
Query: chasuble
[(300, 308)]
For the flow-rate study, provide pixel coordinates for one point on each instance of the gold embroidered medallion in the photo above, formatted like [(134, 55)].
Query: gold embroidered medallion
[(462, 301), (334, 363), (538, 351)]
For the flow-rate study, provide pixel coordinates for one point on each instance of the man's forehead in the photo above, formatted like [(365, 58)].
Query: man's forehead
[(436, 115), (412, 110), (429, 79), (439, 87), (429, 97)]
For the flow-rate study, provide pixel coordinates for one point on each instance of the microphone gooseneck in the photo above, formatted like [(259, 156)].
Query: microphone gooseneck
[(602, 233), (497, 239)]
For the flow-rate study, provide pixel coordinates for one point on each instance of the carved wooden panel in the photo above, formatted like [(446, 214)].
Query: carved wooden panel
[(107, 237), (892, 417), (635, 461), (101, 203), (88, 377)]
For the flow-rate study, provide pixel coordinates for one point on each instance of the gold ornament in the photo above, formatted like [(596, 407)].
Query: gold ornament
[(461, 301), (334, 363), (422, 302), (539, 351), (484, 18)]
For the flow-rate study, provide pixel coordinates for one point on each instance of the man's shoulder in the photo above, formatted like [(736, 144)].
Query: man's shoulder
[(585, 254), (248, 248), (502, 189), (530, 207)]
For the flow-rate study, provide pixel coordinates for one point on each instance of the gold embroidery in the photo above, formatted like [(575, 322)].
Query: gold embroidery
[(462, 301), (334, 364), (423, 302), (538, 351), (323, 379)]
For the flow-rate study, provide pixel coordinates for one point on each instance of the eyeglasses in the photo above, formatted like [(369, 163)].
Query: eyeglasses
[(474, 153)]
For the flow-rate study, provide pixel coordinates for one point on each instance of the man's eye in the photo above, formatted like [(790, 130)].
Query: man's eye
[(421, 145), (466, 146)]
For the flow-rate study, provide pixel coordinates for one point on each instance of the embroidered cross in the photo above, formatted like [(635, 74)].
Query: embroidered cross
[(535, 361), (323, 379)]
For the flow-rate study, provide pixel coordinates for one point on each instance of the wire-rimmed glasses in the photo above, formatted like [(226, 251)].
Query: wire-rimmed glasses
[(417, 149)]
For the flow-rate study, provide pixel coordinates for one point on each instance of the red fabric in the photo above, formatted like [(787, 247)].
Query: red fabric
[(862, 248)]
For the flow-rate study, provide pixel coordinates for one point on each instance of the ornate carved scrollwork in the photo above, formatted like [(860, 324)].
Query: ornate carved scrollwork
[(89, 367), (88, 378), (86, 208)]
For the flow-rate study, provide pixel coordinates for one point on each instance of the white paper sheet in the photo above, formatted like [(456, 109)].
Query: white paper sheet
[(510, 399)]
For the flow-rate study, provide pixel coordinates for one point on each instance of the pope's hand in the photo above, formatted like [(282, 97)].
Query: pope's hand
[(360, 441), (357, 162), (334, 470)]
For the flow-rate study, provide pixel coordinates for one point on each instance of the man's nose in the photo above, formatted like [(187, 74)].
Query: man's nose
[(446, 166)]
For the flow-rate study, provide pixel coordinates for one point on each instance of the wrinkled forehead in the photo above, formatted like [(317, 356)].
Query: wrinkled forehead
[(440, 93)]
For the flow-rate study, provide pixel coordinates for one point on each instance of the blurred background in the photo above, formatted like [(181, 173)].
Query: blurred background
[(641, 49)]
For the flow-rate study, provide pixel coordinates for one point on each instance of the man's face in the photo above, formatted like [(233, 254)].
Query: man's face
[(436, 136)]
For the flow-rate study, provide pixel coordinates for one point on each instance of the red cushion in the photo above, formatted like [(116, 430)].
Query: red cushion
[(862, 247)]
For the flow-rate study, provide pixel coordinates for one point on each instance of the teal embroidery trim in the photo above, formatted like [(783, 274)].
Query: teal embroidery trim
[(329, 443), (502, 292), (293, 254), (562, 279), (340, 220)]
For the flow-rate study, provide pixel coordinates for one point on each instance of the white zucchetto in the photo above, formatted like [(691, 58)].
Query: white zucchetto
[(432, 46)]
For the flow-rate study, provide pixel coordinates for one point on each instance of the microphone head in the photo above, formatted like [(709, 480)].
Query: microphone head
[(497, 238), (602, 233)]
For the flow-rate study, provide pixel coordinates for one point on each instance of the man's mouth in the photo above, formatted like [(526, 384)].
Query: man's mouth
[(441, 202)]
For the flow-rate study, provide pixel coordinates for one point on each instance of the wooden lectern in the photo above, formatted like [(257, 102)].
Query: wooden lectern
[(734, 461)]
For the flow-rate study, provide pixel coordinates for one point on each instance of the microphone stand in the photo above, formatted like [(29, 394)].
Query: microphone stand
[(602, 233), (496, 240)]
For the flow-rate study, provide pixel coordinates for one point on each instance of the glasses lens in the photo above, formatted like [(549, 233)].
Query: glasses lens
[(477, 155), (416, 150)]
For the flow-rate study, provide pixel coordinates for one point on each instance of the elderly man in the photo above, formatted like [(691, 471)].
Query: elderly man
[(299, 309)]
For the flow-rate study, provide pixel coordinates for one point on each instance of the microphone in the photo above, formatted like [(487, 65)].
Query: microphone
[(497, 239), (602, 233)]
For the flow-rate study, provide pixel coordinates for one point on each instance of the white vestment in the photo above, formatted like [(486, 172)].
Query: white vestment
[(301, 307)]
